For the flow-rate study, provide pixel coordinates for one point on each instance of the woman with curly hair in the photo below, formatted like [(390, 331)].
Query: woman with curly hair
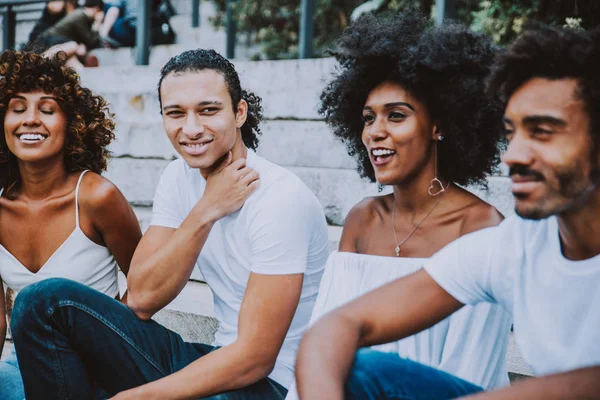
[(408, 101), (58, 216)]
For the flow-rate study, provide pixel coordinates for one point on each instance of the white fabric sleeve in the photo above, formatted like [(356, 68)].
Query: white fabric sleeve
[(281, 230), (168, 203), (469, 268)]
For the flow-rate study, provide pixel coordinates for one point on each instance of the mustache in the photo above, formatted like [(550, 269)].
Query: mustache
[(524, 171)]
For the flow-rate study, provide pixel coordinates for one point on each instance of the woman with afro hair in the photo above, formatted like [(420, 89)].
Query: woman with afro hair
[(408, 100), (58, 216)]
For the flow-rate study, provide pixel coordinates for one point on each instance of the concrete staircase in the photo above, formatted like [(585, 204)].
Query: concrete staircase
[(294, 136)]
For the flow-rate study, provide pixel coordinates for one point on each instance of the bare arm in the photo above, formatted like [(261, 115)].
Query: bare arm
[(2, 317), (112, 217), (323, 364), (165, 257), (578, 384), (267, 310), (109, 20)]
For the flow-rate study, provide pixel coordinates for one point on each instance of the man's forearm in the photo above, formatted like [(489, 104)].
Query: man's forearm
[(579, 384), (156, 281), (325, 357), (109, 20), (225, 369)]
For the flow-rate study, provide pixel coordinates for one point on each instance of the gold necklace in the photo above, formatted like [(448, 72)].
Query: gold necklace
[(398, 248)]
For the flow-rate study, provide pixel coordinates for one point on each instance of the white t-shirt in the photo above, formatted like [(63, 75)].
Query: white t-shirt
[(555, 302), (280, 230)]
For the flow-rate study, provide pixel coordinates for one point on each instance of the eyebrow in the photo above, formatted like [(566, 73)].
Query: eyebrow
[(392, 105), (544, 119), (41, 98), (201, 104)]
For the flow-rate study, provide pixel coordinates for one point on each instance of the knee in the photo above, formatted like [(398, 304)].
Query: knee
[(38, 299)]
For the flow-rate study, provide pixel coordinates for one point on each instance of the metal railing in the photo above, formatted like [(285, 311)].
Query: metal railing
[(444, 9), (9, 20), (142, 51)]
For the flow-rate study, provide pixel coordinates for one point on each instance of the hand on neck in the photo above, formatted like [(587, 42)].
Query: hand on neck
[(239, 150)]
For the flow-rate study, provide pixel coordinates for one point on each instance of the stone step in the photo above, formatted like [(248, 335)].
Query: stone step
[(284, 142), (290, 89), (338, 190)]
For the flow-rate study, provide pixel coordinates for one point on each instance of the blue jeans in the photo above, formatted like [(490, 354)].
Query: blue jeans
[(11, 384), (377, 375), (70, 338)]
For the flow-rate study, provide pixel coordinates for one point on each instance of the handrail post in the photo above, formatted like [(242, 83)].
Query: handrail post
[(306, 28), (231, 28), (142, 34), (444, 9), (195, 13), (9, 28)]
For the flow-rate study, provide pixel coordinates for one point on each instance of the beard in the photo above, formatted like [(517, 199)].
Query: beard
[(569, 189)]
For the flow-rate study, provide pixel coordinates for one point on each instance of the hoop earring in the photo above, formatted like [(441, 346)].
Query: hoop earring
[(435, 186)]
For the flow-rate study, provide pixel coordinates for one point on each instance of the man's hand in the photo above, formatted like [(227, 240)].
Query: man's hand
[(228, 187)]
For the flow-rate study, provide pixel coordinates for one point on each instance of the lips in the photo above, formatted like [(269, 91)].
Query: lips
[(196, 148), (381, 155), (31, 137), (525, 184)]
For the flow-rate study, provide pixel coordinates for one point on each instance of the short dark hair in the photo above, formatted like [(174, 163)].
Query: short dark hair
[(202, 59), (552, 53), (442, 66), (94, 3)]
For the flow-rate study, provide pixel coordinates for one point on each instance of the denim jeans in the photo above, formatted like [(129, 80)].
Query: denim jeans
[(377, 375), (70, 338), (11, 384)]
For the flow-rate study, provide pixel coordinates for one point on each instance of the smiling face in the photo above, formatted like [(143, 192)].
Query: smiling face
[(550, 148), (35, 127), (198, 116), (397, 133)]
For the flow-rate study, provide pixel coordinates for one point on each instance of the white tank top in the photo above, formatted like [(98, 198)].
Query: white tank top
[(78, 259)]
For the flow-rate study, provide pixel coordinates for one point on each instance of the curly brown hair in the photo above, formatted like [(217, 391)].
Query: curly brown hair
[(90, 128)]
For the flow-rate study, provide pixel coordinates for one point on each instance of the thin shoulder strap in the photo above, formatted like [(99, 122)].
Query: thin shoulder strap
[(1, 191), (77, 198)]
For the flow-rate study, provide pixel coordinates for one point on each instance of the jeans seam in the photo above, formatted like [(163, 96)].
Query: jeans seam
[(65, 303), (56, 363)]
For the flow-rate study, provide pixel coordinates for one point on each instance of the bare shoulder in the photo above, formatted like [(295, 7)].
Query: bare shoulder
[(366, 210), (479, 214), (358, 221), (98, 194)]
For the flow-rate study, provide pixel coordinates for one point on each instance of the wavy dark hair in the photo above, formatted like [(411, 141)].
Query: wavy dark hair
[(553, 53), (90, 128), (442, 66), (202, 59)]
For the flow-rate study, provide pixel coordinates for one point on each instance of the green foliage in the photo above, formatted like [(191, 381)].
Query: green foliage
[(274, 24)]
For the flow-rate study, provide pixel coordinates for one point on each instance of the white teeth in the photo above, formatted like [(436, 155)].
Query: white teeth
[(32, 136), (382, 152), (195, 145)]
